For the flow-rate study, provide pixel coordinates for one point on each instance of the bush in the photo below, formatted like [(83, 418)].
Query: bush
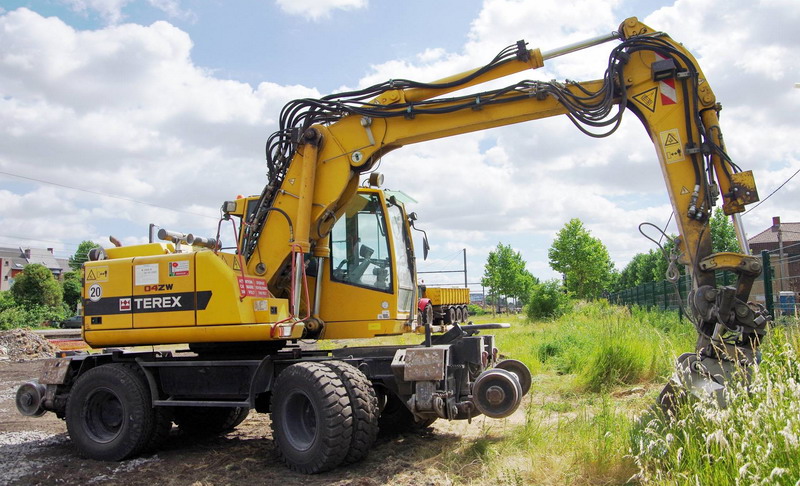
[(33, 316), (547, 300), (476, 310)]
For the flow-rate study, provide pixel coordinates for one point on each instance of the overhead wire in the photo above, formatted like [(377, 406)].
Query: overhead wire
[(773, 192), (104, 194)]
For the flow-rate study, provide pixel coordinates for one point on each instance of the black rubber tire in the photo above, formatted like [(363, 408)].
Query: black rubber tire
[(396, 418), (364, 403), (109, 414), (427, 315), (459, 316), (464, 314), (450, 316), (200, 421), (312, 418)]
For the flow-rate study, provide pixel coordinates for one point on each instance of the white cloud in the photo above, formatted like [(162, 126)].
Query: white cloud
[(123, 110), (108, 10), (111, 11), (316, 10)]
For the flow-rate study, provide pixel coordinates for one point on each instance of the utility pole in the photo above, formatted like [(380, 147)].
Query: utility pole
[(776, 227), (465, 268)]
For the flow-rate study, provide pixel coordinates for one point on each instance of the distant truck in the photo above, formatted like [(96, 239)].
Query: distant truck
[(441, 305)]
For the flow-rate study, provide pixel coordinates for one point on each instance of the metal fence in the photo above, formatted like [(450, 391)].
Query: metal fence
[(777, 288)]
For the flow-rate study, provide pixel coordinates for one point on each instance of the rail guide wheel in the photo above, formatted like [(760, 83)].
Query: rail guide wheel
[(497, 393)]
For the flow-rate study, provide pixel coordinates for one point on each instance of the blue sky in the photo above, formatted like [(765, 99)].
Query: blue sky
[(166, 104)]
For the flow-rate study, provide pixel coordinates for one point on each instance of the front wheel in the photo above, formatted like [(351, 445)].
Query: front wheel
[(108, 415), (312, 418)]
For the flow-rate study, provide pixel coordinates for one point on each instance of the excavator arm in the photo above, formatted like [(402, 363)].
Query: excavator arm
[(323, 145)]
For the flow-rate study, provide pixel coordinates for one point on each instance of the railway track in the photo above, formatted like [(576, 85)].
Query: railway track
[(64, 339)]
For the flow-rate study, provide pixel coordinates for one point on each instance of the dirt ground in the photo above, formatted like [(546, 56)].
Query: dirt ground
[(38, 451)]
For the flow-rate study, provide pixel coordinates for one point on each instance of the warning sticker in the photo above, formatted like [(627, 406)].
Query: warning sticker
[(648, 99), (672, 145), (684, 190), (253, 287), (179, 269), (97, 274), (236, 265), (146, 274)]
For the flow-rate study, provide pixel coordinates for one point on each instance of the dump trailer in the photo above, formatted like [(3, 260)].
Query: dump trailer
[(443, 305), (316, 257)]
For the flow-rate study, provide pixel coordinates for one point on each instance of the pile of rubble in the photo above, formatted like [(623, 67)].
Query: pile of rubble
[(21, 344)]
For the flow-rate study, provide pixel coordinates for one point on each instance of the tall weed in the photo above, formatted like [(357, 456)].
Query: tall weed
[(754, 440)]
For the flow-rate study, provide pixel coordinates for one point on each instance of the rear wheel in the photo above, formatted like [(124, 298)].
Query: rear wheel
[(365, 409), (459, 315), (311, 418), (464, 314), (109, 415)]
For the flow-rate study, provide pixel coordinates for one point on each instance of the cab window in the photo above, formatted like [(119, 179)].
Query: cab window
[(359, 246)]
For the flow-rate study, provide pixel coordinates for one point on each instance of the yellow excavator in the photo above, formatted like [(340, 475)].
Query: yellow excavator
[(318, 257)]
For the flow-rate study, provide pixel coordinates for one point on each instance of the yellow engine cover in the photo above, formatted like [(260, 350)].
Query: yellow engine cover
[(179, 298)]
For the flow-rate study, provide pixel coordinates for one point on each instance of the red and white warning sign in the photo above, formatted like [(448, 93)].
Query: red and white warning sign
[(179, 269), (253, 287), (666, 87)]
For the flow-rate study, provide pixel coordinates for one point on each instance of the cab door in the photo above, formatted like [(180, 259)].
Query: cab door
[(359, 292)]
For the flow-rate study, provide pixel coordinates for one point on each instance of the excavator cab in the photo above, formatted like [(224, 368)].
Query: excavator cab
[(371, 267)]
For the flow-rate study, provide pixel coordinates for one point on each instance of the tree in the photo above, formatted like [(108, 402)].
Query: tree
[(505, 273), (81, 254), (645, 267), (723, 234), (71, 288), (526, 284), (582, 259), (35, 286)]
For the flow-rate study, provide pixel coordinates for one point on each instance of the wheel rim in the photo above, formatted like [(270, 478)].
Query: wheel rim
[(300, 421), (103, 415)]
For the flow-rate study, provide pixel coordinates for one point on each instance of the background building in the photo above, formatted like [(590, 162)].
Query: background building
[(14, 260)]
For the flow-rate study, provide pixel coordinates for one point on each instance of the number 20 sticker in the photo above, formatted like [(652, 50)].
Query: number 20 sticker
[(95, 292)]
